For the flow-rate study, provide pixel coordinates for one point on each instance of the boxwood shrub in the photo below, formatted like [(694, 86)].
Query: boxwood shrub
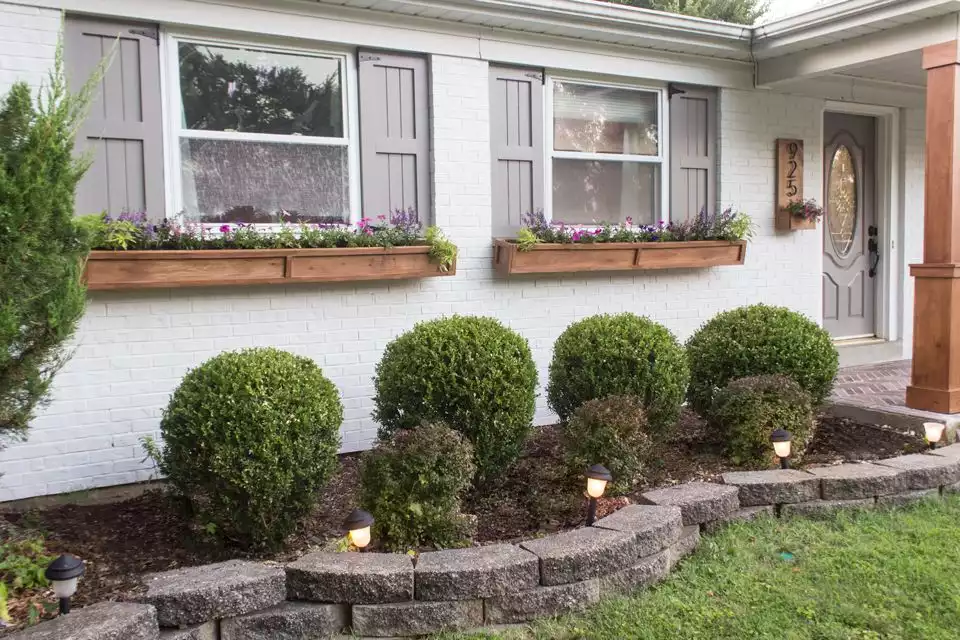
[(758, 340), (622, 354), (413, 484), (250, 437), (611, 431), (471, 373), (748, 410)]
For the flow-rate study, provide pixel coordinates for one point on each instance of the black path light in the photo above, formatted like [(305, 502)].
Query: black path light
[(358, 525), (933, 432), (63, 573), (597, 478), (781, 439)]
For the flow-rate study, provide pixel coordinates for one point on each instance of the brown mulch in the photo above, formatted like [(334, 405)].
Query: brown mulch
[(124, 540)]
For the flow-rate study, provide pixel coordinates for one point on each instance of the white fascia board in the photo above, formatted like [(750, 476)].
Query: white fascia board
[(840, 18), (609, 60), (847, 53), (849, 89)]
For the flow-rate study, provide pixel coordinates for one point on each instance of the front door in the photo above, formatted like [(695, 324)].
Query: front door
[(850, 241)]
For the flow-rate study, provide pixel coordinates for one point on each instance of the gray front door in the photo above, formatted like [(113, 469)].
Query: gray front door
[(849, 225)]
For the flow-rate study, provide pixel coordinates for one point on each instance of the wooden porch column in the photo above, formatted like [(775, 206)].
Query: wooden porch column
[(935, 383)]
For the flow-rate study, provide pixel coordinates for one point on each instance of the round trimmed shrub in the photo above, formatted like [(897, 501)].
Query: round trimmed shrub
[(469, 372), (758, 340), (611, 431), (622, 354), (250, 437), (748, 410), (413, 485)]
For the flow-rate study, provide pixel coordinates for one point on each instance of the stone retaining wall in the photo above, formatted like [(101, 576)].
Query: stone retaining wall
[(389, 595)]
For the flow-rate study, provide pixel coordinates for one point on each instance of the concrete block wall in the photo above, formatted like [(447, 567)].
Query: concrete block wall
[(28, 43)]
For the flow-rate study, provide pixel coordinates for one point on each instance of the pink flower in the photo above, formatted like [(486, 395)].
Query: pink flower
[(381, 217), (629, 221), (224, 228)]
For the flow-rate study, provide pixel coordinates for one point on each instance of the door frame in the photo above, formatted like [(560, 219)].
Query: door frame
[(888, 300)]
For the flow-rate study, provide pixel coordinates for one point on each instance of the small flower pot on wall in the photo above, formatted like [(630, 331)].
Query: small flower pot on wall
[(790, 186)]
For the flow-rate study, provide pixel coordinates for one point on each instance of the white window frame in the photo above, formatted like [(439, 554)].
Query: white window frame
[(173, 132), (663, 142)]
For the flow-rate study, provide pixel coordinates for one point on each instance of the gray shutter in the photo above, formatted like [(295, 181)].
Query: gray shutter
[(516, 145), (123, 131), (394, 134), (693, 155)]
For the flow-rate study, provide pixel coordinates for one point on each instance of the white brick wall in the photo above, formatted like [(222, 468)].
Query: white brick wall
[(133, 347), (28, 43), (914, 131)]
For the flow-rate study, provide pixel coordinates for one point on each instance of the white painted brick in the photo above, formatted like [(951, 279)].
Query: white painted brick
[(28, 40)]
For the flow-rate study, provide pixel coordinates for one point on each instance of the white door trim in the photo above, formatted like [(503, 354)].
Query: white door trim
[(889, 292)]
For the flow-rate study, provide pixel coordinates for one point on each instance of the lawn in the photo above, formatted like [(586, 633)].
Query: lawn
[(874, 574)]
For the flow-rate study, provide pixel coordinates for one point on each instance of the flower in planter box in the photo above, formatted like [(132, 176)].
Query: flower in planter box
[(804, 209)]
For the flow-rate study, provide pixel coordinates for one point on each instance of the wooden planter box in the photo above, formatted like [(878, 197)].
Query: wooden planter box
[(615, 256), (784, 221), (212, 267)]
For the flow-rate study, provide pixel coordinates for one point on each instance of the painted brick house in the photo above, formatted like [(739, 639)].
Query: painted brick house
[(472, 112)]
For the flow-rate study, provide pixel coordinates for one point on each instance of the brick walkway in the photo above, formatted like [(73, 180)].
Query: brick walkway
[(876, 393), (874, 384)]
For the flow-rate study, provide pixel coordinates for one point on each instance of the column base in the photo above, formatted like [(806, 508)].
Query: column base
[(935, 378), (935, 400)]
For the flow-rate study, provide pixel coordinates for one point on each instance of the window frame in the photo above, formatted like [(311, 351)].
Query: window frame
[(173, 131), (663, 139)]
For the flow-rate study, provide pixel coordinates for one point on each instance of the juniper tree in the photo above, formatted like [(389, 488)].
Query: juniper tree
[(42, 248)]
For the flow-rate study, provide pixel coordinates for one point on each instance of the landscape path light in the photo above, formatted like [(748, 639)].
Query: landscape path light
[(63, 573), (597, 478), (358, 525), (933, 432), (782, 444)]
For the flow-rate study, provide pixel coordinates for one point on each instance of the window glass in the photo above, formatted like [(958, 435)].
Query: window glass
[(591, 191), (242, 181), (610, 120), (250, 91)]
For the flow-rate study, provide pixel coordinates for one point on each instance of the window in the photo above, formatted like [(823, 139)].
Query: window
[(607, 153), (261, 135)]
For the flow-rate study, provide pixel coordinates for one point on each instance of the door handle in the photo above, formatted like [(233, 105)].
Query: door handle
[(873, 247)]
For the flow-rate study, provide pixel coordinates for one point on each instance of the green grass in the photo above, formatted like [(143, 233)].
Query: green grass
[(873, 574)]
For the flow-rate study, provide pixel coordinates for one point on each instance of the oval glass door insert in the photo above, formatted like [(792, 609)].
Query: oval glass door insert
[(842, 211)]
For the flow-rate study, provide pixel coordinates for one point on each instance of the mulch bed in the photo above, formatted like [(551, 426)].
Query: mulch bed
[(124, 540)]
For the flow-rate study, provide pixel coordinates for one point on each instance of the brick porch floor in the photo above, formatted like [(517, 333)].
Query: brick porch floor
[(876, 392)]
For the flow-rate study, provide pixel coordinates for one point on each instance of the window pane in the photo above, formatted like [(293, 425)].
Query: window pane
[(604, 120), (588, 191), (233, 181), (234, 89)]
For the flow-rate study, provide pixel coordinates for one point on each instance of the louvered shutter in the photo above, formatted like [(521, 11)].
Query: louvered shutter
[(394, 134), (693, 155), (516, 145), (123, 131)]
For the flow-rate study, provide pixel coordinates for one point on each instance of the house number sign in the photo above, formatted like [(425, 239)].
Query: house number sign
[(789, 180)]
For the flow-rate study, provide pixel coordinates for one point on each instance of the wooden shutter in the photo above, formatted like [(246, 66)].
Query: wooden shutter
[(394, 134), (123, 131), (693, 155), (516, 145)]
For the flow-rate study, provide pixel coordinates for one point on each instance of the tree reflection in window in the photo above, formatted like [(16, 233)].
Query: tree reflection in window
[(842, 201)]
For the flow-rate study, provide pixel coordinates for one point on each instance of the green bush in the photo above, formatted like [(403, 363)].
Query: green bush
[(250, 438), (620, 354), (471, 373), (748, 410), (758, 340), (413, 485), (611, 431)]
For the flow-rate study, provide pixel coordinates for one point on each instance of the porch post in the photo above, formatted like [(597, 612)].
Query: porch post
[(935, 383)]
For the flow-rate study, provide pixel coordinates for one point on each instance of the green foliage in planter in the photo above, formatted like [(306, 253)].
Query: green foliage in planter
[(748, 410), (622, 354), (413, 484), (757, 340), (472, 373), (250, 438), (42, 249), (611, 431)]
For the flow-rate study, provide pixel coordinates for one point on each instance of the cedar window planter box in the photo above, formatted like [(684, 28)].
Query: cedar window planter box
[(615, 256), (108, 270)]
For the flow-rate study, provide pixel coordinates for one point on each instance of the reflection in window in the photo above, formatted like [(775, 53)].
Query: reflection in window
[(842, 201), (590, 191)]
